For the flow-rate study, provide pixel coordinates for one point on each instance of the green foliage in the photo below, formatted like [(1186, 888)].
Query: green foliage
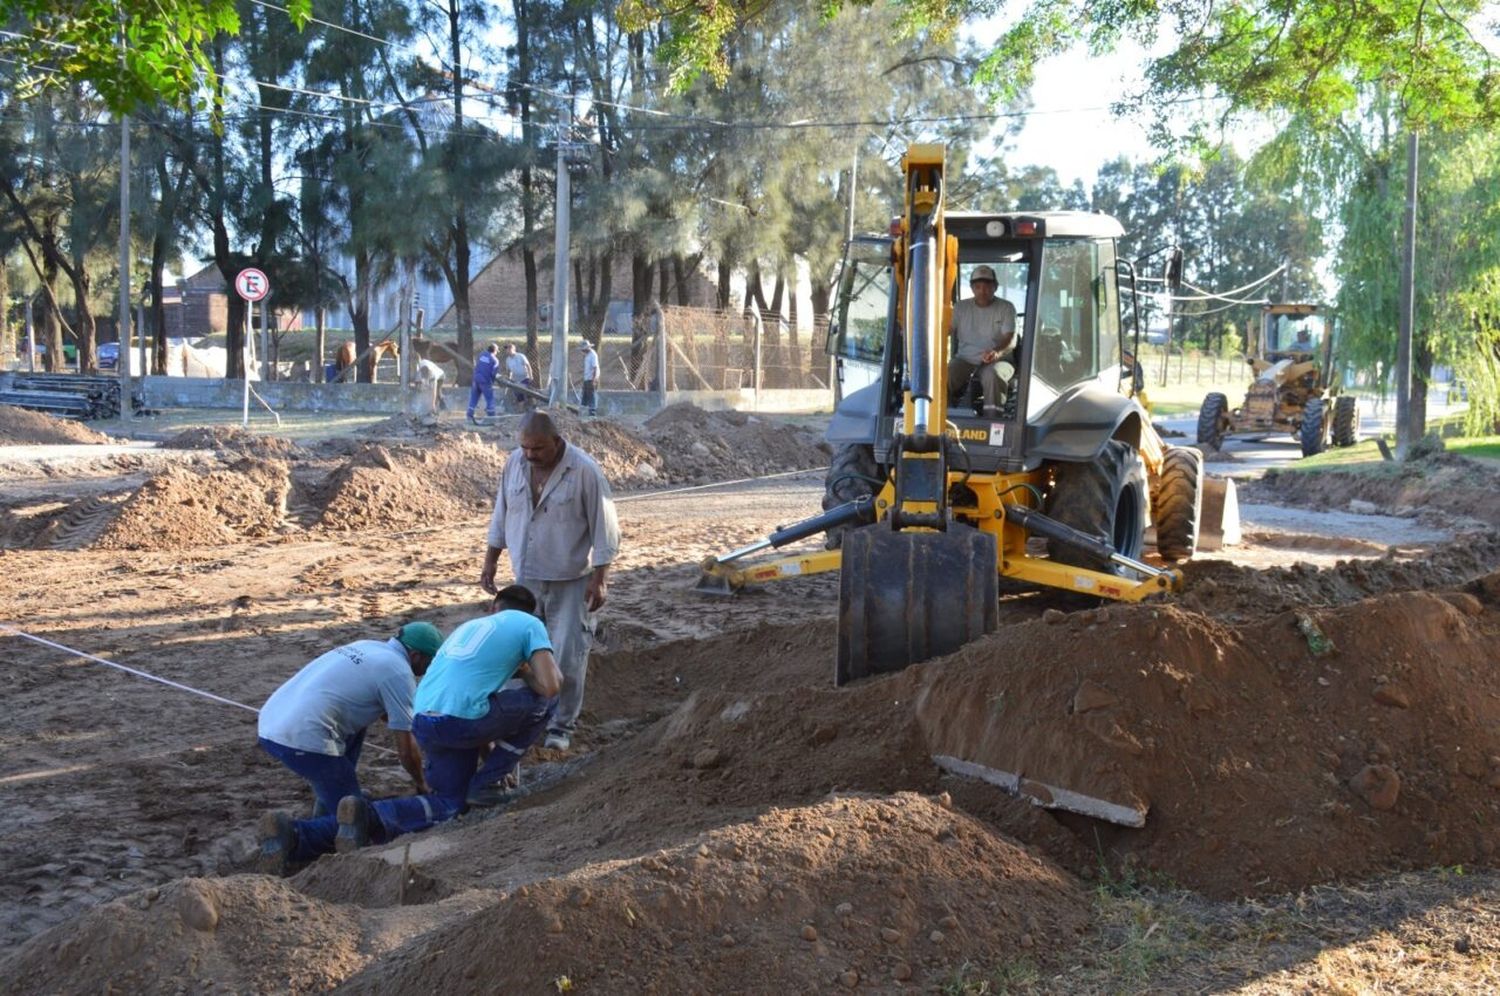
[(134, 53)]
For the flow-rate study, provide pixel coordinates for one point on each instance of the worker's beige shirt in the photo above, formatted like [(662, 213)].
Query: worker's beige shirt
[(574, 516), (978, 330)]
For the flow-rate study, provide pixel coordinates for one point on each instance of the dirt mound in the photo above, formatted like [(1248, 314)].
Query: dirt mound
[(230, 441), (699, 446), (1232, 593), (1442, 482), (627, 458), (242, 934), (851, 891), (19, 427), (395, 487), (180, 508), (1314, 746)]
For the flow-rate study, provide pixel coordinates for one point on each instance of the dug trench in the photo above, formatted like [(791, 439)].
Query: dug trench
[(735, 823)]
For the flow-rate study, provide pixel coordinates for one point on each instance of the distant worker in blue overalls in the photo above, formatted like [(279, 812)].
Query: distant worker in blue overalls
[(485, 369)]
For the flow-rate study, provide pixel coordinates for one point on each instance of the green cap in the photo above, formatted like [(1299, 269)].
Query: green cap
[(420, 637)]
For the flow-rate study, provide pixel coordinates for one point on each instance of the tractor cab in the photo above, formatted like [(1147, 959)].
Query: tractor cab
[(1054, 271), (1296, 332)]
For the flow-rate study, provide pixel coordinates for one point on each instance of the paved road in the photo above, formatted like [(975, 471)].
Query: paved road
[(1254, 455)]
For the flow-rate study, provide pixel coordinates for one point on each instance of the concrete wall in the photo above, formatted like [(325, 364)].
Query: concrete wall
[(203, 392)]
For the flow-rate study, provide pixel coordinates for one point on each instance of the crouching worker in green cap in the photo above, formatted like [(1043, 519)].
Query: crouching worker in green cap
[(315, 724)]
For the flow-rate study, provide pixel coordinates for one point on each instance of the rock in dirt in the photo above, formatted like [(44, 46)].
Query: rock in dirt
[(198, 906), (1394, 696), (1378, 785), (708, 758)]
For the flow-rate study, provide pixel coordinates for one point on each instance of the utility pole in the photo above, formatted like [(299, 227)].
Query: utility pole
[(558, 392), (123, 362), (1408, 304)]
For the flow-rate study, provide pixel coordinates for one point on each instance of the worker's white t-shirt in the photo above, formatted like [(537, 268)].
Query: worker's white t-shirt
[(590, 365), (429, 371), (340, 693)]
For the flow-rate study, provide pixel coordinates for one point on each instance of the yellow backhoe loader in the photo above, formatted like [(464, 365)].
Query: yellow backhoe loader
[(931, 499)]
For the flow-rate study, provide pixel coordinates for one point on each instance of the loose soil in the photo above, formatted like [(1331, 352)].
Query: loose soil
[(1445, 484), (727, 820), (19, 427)]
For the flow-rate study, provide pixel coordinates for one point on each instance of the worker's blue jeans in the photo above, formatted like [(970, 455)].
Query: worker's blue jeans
[(331, 777), (451, 747), (488, 391)]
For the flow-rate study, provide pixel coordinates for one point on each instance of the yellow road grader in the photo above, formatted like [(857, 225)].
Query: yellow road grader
[(931, 500), (1294, 387)]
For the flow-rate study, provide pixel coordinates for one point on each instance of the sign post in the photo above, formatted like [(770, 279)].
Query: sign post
[(251, 285)]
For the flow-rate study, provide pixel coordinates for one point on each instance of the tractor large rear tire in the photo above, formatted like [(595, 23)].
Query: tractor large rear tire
[(1314, 429), (1345, 420), (1177, 503), (1106, 498), (852, 475), (1211, 420)]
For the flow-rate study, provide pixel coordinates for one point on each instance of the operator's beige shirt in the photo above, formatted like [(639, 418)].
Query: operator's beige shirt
[(978, 330), (574, 516)]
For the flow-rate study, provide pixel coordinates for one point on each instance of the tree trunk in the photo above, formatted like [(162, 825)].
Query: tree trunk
[(320, 324), (1421, 375), (359, 317), (7, 340), (460, 225), (725, 273), (50, 323)]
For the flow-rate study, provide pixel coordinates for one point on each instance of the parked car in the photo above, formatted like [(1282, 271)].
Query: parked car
[(109, 355)]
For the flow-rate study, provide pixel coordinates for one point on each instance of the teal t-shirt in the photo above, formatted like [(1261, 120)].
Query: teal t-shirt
[(476, 659)]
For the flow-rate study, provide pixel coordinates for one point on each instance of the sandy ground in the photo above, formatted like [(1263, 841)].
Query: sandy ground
[(129, 806)]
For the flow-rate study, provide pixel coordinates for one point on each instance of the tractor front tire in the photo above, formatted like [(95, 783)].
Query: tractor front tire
[(1177, 503), (1212, 419), (1345, 420), (1314, 429), (1105, 497), (852, 475)]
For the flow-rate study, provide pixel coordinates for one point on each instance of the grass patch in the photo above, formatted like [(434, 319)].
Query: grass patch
[(1185, 399), (1019, 976), (1483, 447)]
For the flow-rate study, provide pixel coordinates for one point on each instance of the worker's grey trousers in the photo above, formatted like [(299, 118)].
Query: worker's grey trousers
[(570, 627)]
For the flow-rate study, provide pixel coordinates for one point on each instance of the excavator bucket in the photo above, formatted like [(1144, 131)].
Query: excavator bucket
[(908, 596)]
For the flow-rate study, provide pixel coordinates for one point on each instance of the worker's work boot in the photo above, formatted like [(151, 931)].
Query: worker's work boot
[(354, 824), (277, 840), (557, 740)]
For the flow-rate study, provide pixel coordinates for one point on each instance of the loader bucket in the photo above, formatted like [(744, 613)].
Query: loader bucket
[(908, 596), (714, 579), (1219, 521)]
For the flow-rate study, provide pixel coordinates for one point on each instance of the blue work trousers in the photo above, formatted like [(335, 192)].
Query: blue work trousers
[(331, 776), (451, 745), (488, 391)]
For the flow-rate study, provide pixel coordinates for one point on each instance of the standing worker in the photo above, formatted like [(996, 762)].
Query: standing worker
[(553, 512), (518, 369), (984, 331), (485, 369), (315, 723), (430, 374), (590, 377)]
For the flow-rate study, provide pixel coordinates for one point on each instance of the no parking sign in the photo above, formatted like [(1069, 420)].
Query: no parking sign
[(251, 284)]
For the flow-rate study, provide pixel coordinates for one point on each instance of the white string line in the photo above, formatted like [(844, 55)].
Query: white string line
[(147, 675), (716, 484), (129, 670)]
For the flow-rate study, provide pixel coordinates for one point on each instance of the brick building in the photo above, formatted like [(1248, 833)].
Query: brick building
[(497, 296)]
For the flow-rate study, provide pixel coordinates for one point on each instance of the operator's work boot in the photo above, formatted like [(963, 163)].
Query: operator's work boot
[(278, 838), (354, 824)]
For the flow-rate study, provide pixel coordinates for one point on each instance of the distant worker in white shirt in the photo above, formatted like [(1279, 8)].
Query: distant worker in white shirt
[(984, 336), (590, 377), (555, 515), (431, 375), (518, 369)]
